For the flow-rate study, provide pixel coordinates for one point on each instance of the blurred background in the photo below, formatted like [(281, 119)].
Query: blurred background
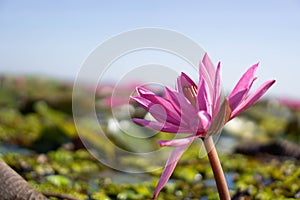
[(43, 45), (54, 38)]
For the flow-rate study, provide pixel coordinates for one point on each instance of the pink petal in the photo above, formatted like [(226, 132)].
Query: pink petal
[(168, 107), (178, 84), (169, 167), (253, 98), (142, 101), (178, 142), (184, 80), (235, 100), (141, 91), (202, 97), (204, 77), (244, 84), (204, 119), (172, 99), (165, 127), (185, 108), (157, 110), (209, 68), (207, 72), (147, 98), (217, 91)]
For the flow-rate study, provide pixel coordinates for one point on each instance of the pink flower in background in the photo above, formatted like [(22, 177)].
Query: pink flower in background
[(194, 110), (293, 104)]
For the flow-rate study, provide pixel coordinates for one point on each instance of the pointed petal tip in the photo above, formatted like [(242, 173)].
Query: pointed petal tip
[(139, 90), (167, 88), (269, 83), (161, 143), (132, 98), (205, 58), (154, 196), (135, 120), (252, 70), (187, 77), (169, 168), (183, 75), (164, 143), (184, 80), (219, 66), (143, 91), (205, 55), (142, 122), (255, 66)]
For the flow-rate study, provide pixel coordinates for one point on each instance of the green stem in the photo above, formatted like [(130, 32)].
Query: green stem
[(217, 168)]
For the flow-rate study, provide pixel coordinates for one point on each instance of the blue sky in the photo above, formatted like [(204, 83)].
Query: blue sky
[(54, 37)]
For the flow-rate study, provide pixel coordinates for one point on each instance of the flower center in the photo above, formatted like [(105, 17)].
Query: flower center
[(190, 92)]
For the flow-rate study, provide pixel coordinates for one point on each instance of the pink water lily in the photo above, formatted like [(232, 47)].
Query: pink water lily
[(195, 110)]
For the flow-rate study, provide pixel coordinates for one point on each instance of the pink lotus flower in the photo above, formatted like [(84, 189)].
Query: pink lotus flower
[(293, 104), (195, 111)]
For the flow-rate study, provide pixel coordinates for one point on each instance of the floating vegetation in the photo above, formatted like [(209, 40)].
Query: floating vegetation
[(39, 141)]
